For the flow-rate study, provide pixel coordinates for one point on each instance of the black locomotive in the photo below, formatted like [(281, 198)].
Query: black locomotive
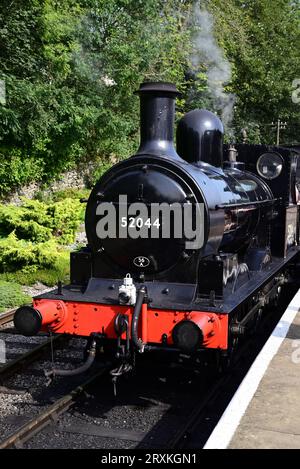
[(199, 279)]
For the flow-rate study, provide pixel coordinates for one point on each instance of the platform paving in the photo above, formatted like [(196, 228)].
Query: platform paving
[(272, 419)]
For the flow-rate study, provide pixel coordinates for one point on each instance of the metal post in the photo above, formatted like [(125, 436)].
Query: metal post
[(280, 125), (278, 133)]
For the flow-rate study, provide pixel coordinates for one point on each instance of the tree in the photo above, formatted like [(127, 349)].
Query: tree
[(70, 68), (261, 39)]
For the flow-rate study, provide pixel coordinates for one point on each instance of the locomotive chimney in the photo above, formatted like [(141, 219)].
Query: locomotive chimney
[(157, 110)]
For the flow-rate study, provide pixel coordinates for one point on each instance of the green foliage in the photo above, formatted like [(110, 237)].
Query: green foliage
[(65, 216), (11, 295), (38, 222), (34, 234), (261, 40), (17, 168), (20, 254), (70, 69), (70, 193), (49, 276), (51, 197)]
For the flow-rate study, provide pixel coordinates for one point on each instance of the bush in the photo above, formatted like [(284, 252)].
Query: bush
[(65, 217), (26, 221), (34, 234), (11, 295), (16, 254), (17, 169), (70, 193), (39, 222), (48, 276), (33, 238)]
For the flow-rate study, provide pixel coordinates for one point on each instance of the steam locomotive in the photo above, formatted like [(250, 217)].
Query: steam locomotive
[(186, 246)]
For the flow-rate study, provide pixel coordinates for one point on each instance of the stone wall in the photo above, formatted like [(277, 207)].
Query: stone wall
[(75, 179)]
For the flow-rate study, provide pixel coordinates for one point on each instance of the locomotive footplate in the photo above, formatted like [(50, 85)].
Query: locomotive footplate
[(175, 296), (154, 319)]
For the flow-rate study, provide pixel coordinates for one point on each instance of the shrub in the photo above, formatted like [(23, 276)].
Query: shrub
[(17, 169), (64, 219), (48, 276), (70, 193), (38, 222), (48, 196), (26, 221), (18, 254)]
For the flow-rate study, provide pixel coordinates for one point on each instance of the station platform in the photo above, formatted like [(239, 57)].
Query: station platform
[(265, 411)]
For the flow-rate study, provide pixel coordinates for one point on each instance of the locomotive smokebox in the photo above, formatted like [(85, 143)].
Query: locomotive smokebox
[(200, 138), (157, 111)]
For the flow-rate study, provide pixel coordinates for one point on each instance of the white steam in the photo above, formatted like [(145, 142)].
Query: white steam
[(206, 51)]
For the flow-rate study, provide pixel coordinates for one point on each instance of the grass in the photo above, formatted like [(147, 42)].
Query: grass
[(11, 295)]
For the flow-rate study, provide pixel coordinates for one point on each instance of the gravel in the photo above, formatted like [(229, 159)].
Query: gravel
[(146, 404), (25, 394), (37, 289)]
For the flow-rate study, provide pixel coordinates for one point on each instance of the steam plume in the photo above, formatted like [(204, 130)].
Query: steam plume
[(206, 51)]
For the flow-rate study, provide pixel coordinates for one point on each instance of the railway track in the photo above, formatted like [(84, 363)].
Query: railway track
[(52, 413), (26, 359), (201, 421), (198, 417), (49, 415), (160, 437), (7, 317)]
